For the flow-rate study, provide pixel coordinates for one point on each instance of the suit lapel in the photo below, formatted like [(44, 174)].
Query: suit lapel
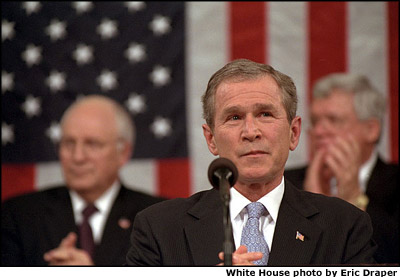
[(59, 219), (378, 186), (287, 247), (205, 235), (114, 242)]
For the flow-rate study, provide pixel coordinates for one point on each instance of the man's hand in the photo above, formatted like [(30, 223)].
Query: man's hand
[(341, 160), (67, 253), (242, 257), (344, 159), (318, 175)]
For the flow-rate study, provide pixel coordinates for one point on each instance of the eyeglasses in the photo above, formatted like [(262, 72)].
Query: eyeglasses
[(328, 121), (89, 147)]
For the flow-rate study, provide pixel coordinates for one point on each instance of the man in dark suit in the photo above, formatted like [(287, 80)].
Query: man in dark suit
[(42, 227), (250, 111), (347, 116)]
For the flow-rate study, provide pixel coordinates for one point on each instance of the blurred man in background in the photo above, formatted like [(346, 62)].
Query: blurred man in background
[(88, 221), (347, 116)]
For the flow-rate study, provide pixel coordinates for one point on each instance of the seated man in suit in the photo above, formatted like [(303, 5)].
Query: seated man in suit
[(347, 116), (42, 227), (250, 113)]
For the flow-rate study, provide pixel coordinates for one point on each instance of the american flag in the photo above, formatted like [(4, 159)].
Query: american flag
[(156, 58), (299, 236)]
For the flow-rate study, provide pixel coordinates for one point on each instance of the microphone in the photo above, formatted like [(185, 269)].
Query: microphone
[(223, 174), (222, 169)]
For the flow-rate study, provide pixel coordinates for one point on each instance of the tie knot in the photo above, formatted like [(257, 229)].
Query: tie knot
[(255, 209), (89, 210)]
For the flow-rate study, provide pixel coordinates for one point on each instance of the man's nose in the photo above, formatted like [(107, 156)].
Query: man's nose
[(320, 127), (251, 129), (78, 152)]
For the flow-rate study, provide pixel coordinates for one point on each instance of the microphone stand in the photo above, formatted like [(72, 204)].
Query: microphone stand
[(226, 198)]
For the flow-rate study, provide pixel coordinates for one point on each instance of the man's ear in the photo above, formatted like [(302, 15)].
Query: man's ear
[(126, 149), (295, 130), (372, 130), (208, 134)]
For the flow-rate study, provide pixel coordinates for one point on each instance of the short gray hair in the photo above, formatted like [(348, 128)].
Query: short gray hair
[(125, 126), (242, 70), (368, 101)]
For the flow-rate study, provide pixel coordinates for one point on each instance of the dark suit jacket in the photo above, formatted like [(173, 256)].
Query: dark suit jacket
[(35, 223), (383, 190), (190, 231)]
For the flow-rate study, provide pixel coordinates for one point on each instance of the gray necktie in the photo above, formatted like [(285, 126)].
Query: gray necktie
[(252, 238)]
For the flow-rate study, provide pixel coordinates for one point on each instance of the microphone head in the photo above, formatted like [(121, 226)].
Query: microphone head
[(222, 166)]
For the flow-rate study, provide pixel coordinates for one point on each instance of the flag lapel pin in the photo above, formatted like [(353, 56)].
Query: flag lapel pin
[(124, 223), (299, 236)]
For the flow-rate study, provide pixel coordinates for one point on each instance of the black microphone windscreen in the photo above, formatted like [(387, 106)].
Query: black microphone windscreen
[(221, 164)]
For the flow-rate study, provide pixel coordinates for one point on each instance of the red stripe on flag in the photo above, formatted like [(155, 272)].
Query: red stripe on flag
[(393, 49), (173, 178), (327, 39), (248, 31), (16, 179)]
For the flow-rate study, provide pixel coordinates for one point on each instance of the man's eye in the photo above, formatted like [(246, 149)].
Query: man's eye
[(67, 144), (235, 117), (265, 114), (93, 144)]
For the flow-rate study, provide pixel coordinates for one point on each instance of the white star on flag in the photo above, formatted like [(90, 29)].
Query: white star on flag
[(107, 29), (83, 54), (160, 25), (32, 55), (107, 80), (161, 127), (54, 132), (56, 80), (7, 81), (31, 7), (7, 30), (136, 52), (56, 30), (160, 76), (31, 106), (134, 6), (136, 103), (7, 134), (82, 6)]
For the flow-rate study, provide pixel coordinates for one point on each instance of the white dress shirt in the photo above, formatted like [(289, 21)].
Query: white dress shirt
[(98, 220), (238, 213), (366, 169)]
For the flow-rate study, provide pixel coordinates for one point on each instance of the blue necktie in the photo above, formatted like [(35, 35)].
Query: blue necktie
[(252, 238)]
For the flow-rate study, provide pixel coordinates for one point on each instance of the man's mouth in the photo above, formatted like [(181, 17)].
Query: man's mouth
[(254, 154)]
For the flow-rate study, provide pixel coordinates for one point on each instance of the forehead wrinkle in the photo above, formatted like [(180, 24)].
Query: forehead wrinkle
[(256, 106)]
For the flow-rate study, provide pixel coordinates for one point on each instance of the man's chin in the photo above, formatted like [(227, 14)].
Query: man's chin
[(80, 185), (253, 176)]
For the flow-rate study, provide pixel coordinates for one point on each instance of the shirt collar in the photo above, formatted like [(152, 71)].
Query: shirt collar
[(366, 169), (271, 201), (103, 204)]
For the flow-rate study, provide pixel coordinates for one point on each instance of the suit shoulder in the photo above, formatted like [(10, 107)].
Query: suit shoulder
[(313, 203), (29, 205), (35, 197), (138, 195), (176, 205), (296, 176), (333, 206)]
